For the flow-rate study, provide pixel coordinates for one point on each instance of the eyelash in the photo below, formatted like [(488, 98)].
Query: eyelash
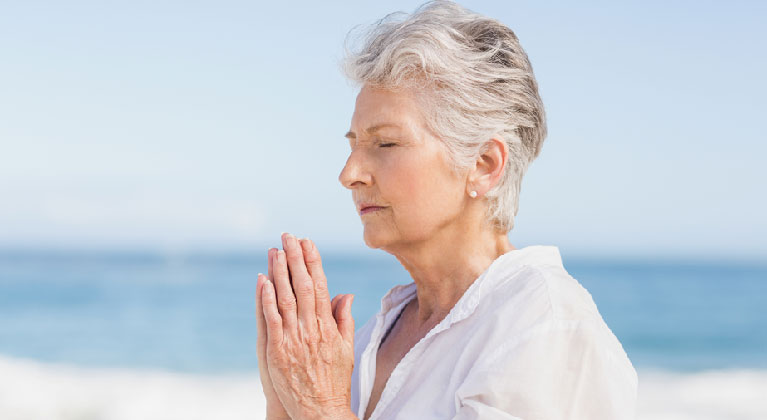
[(386, 145)]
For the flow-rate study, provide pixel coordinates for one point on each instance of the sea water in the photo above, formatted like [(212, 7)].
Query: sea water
[(113, 335)]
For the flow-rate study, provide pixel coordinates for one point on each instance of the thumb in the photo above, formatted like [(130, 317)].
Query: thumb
[(345, 320)]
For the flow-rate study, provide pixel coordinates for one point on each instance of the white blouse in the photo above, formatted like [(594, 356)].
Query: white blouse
[(525, 341)]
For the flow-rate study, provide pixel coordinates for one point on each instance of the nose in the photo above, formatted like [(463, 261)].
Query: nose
[(354, 173)]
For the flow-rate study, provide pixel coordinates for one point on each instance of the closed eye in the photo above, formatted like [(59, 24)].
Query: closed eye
[(387, 144)]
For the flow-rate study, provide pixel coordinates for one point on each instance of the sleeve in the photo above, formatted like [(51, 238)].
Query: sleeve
[(558, 370)]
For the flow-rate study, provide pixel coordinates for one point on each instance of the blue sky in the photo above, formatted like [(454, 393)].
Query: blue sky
[(178, 125)]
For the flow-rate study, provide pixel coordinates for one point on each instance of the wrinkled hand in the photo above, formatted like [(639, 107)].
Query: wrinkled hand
[(274, 407), (309, 339)]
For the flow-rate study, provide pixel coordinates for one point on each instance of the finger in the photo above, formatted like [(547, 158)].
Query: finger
[(286, 301), (270, 256), (259, 285), (337, 309), (321, 294), (272, 317), (334, 305), (345, 319), (303, 286), (260, 323)]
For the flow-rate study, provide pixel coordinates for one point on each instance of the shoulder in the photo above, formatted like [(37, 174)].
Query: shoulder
[(567, 298), (533, 294), (540, 326), (562, 368), (533, 283), (542, 305)]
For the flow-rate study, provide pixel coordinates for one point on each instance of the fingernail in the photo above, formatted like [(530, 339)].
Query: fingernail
[(280, 255), (289, 239)]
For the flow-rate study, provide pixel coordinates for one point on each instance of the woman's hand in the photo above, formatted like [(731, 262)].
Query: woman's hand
[(274, 408), (309, 339)]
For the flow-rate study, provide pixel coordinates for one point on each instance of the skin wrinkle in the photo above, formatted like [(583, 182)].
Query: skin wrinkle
[(427, 205), (461, 89), (477, 78), (308, 374)]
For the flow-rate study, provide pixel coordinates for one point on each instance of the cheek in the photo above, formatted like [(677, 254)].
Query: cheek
[(401, 185), (421, 192)]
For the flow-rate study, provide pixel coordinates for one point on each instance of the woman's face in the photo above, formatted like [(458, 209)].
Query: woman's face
[(398, 165)]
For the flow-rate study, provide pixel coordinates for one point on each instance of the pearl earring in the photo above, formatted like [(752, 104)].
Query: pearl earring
[(473, 194)]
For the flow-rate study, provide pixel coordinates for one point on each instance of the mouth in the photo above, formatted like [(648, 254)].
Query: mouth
[(370, 209)]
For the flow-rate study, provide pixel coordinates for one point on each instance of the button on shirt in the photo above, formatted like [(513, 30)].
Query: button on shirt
[(525, 341)]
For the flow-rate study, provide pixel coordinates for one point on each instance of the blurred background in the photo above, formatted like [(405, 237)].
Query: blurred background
[(151, 152)]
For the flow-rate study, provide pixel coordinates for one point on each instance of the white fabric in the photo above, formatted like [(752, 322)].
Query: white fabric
[(525, 341)]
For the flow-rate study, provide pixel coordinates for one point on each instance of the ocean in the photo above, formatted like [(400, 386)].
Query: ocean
[(143, 335)]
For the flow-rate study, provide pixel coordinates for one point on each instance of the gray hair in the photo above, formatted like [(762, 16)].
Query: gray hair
[(476, 83)]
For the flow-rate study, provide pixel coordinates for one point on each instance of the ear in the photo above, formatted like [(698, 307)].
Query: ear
[(489, 167)]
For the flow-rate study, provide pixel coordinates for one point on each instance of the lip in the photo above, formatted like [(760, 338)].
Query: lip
[(369, 208)]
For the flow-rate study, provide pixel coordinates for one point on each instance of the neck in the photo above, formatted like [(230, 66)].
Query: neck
[(446, 264)]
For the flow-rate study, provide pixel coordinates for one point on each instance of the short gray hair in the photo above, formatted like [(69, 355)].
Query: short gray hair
[(476, 83)]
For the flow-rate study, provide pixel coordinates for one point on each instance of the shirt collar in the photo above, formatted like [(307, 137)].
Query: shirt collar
[(496, 272)]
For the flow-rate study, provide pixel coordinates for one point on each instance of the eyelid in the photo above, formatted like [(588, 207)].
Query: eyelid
[(383, 142)]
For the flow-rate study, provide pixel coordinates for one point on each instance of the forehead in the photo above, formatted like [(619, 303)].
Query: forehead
[(378, 106)]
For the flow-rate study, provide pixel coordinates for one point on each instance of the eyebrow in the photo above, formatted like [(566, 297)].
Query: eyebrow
[(371, 130)]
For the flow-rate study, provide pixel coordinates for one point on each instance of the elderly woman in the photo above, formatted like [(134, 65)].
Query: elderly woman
[(446, 122)]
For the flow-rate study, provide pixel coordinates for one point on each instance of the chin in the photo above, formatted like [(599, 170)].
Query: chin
[(370, 242), (374, 238)]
